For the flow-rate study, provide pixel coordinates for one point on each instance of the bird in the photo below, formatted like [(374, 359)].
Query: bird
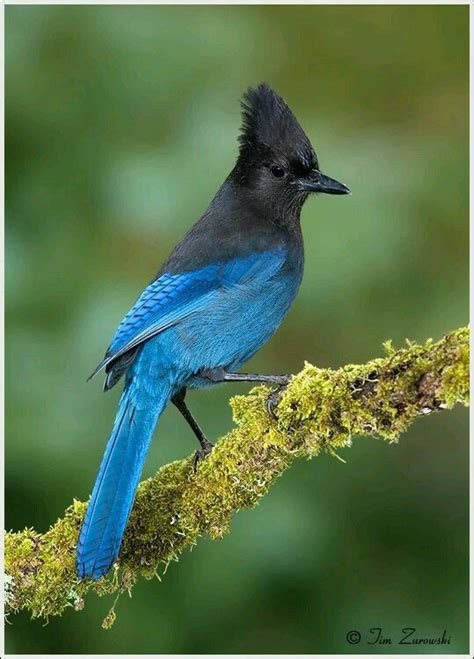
[(217, 299)]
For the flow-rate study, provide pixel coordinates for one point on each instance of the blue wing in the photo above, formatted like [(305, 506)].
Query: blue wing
[(174, 297)]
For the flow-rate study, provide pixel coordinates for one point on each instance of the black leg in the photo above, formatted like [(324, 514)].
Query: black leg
[(206, 446), (220, 375)]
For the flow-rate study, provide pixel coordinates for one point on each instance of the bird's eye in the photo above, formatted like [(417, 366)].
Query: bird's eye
[(278, 172)]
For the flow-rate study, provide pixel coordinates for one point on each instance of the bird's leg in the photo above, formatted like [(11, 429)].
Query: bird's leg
[(221, 375), (206, 446)]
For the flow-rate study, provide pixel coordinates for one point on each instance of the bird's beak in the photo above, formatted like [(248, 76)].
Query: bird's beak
[(318, 182)]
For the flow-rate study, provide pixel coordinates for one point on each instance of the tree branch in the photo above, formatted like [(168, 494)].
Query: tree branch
[(321, 410)]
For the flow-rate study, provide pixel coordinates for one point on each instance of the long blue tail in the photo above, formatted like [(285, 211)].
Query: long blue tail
[(117, 480)]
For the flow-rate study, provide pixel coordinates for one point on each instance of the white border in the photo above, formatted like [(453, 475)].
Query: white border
[(236, 2)]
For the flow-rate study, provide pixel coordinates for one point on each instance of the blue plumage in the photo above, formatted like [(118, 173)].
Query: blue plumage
[(219, 297), (186, 323), (118, 477), (173, 297)]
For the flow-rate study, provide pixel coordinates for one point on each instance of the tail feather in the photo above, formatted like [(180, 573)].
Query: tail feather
[(119, 473)]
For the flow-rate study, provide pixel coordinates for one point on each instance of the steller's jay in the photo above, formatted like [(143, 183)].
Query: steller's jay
[(218, 298)]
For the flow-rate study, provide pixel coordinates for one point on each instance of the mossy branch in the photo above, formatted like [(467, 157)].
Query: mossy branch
[(321, 410)]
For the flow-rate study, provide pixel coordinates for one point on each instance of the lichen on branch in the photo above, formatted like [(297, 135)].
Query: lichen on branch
[(320, 410)]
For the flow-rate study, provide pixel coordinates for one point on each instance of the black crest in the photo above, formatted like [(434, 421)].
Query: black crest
[(268, 125)]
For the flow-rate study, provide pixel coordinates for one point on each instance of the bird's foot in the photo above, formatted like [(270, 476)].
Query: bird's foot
[(206, 448), (274, 398)]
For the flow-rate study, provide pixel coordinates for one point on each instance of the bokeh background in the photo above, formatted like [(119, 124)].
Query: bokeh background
[(121, 124)]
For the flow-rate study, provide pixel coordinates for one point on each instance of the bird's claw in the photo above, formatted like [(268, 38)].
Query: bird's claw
[(273, 400), (202, 453)]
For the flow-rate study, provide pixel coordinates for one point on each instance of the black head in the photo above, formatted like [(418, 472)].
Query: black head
[(276, 158)]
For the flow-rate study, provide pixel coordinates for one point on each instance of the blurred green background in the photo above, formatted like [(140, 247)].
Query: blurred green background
[(121, 125)]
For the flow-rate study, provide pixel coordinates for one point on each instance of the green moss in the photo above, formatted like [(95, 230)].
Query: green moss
[(109, 619), (455, 376), (320, 410)]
